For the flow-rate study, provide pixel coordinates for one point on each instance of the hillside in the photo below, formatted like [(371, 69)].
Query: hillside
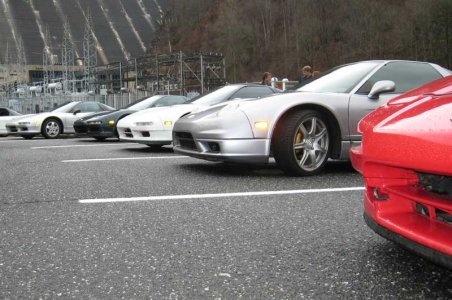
[(281, 36)]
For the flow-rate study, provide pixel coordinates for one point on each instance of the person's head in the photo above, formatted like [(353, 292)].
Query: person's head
[(307, 71), (267, 78), (316, 73)]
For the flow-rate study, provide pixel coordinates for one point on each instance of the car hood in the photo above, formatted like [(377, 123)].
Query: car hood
[(416, 136), (32, 118), (167, 113), (103, 113)]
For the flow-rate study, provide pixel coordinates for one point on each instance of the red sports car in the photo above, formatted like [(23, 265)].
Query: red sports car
[(406, 160)]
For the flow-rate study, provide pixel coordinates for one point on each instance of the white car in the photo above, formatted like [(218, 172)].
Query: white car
[(154, 126), (52, 124), (7, 115)]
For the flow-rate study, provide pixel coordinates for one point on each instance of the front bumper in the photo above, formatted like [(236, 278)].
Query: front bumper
[(413, 218), (254, 151), (94, 130), (145, 135), (23, 129), (413, 246)]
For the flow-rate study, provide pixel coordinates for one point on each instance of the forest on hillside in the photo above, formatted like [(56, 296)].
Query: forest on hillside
[(281, 36)]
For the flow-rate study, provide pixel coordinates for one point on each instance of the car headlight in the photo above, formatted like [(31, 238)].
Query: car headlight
[(144, 123), (94, 122), (111, 122), (167, 123), (38, 122)]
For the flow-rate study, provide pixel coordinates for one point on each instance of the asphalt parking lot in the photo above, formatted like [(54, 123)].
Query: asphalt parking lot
[(83, 219)]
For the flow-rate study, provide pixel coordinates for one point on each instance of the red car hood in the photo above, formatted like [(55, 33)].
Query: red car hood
[(413, 131)]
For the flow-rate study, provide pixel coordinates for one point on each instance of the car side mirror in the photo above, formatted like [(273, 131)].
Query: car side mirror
[(76, 112), (383, 86)]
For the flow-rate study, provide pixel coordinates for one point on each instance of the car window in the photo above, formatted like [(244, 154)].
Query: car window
[(106, 107), (217, 96), (66, 106), (252, 92), (342, 79), (406, 76), (143, 103), (169, 100), (89, 107)]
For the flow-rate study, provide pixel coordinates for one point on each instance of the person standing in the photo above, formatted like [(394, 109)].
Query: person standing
[(307, 74), (266, 78)]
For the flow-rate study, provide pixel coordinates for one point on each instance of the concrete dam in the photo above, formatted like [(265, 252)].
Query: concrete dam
[(123, 29)]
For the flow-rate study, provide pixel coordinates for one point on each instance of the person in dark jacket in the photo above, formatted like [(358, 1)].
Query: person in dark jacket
[(307, 74)]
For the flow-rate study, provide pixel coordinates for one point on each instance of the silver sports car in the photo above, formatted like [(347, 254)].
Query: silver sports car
[(302, 129)]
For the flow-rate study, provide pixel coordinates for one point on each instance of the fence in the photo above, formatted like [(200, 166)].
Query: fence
[(37, 104)]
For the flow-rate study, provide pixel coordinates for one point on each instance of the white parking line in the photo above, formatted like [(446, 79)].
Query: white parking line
[(220, 195), (71, 146), (122, 158)]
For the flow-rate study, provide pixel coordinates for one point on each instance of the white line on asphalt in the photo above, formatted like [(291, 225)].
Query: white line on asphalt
[(220, 195), (71, 146), (121, 158)]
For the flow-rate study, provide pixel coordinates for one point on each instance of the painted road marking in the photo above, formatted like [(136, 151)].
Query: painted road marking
[(71, 146), (219, 195), (121, 158)]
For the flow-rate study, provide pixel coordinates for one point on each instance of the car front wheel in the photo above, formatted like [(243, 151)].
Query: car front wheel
[(301, 143), (51, 129)]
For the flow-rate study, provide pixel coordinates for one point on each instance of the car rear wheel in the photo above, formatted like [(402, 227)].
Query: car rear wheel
[(301, 143), (51, 129)]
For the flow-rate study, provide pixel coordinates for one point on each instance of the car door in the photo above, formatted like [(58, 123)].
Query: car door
[(79, 111), (405, 75)]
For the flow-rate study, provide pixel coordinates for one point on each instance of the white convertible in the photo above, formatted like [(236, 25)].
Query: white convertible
[(154, 126), (52, 124)]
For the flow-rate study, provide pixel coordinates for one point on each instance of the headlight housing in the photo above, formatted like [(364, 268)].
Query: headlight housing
[(144, 123)]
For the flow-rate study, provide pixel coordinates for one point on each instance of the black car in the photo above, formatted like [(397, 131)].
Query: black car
[(103, 125)]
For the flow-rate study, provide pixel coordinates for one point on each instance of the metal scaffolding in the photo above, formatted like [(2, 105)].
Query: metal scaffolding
[(89, 55), (67, 60), (47, 63), (174, 73)]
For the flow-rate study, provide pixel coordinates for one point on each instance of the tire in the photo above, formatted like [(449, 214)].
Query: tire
[(301, 143), (51, 129)]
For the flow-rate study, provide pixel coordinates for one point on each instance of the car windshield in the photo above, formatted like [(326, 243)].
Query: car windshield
[(341, 79), (170, 100), (213, 96), (143, 103), (65, 107)]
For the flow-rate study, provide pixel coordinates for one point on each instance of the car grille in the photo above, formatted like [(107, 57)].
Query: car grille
[(128, 133), (186, 140), (80, 128), (437, 184), (94, 128)]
